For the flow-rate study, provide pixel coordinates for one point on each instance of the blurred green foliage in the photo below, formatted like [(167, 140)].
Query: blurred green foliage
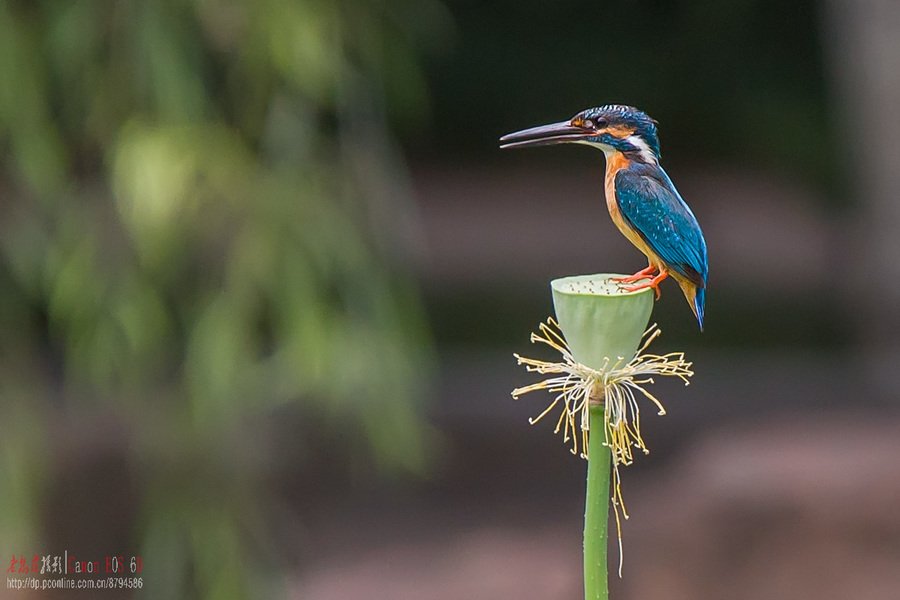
[(199, 209)]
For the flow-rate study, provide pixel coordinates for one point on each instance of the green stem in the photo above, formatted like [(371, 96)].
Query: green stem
[(596, 510)]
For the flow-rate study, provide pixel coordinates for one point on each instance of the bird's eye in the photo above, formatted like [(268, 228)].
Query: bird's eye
[(600, 123)]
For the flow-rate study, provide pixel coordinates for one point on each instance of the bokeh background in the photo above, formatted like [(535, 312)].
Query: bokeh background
[(264, 269)]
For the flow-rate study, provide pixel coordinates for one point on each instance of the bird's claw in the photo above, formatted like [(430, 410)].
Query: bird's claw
[(642, 274), (653, 283)]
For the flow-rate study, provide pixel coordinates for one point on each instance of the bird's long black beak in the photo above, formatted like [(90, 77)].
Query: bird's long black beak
[(555, 133)]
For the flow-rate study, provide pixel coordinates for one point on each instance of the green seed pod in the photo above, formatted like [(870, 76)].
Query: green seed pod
[(598, 319)]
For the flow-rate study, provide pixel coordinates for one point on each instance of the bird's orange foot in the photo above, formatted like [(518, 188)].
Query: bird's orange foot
[(642, 274), (653, 283)]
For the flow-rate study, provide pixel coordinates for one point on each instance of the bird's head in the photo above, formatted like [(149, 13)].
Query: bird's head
[(612, 128)]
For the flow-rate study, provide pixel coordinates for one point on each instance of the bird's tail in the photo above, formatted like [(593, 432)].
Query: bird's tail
[(699, 305), (696, 297)]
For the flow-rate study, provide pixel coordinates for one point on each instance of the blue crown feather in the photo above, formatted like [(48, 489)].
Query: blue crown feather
[(620, 114)]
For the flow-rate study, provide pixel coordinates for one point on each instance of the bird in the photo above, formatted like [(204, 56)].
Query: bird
[(640, 196)]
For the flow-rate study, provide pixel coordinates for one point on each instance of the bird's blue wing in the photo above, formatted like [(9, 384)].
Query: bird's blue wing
[(650, 204)]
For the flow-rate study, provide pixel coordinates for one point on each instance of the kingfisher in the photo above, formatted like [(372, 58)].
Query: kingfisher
[(641, 199)]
